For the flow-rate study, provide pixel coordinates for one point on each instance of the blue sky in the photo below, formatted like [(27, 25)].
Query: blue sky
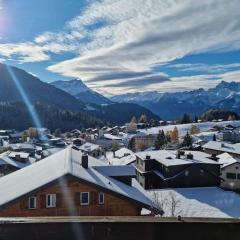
[(120, 46)]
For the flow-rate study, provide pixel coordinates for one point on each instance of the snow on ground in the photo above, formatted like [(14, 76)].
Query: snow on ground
[(200, 202), (183, 128)]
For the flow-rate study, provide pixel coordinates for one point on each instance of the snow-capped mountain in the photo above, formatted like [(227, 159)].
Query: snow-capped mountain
[(79, 90), (153, 96), (173, 105)]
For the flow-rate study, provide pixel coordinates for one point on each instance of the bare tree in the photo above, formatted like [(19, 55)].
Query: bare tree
[(174, 204), (166, 204)]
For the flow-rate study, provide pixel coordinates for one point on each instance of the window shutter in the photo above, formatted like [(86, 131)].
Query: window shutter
[(42, 201), (77, 198), (59, 200)]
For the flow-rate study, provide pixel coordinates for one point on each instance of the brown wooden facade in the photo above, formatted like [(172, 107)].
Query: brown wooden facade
[(68, 202)]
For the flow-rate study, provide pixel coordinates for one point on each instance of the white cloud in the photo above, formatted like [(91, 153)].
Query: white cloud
[(133, 37), (142, 34), (213, 68)]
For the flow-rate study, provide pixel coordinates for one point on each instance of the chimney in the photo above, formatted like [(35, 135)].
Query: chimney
[(190, 156), (85, 161), (214, 157), (148, 157), (17, 157)]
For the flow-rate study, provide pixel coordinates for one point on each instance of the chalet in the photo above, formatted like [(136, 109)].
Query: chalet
[(56, 142), (78, 141), (229, 136), (92, 149), (107, 140), (216, 148), (13, 161), (131, 127), (142, 141), (123, 156), (69, 183), (176, 169), (230, 171), (23, 147)]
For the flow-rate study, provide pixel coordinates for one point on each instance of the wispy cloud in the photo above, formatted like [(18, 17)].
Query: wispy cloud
[(209, 68), (119, 42)]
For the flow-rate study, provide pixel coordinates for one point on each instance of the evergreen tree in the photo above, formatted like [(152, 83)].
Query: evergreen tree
[(161, 140), (214, 137), (186, 119), (187, 140), (196, 119), (115, 146)]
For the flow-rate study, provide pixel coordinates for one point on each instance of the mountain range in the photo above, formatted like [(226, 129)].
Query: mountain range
[(226, 95), (79, 108), (80, 91)]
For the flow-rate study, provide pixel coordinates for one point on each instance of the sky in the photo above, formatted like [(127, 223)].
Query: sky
[(124, 46)]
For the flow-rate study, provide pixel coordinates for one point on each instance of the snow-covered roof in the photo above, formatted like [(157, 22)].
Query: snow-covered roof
[(169, 158), (206, 202), (222, 146), (17, 146), (123, 152), (226, 159), (117, 160), (5, 159), (89, 147), (67, 161), (121, 170), (21, 154), (111, 137)]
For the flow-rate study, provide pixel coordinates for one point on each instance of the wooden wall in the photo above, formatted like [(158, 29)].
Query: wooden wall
[(68, 203)]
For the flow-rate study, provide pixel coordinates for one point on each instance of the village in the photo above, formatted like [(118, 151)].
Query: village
[(166, 170)]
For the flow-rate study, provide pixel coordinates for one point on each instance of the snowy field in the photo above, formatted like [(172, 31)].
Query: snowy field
[(183, 128), (199, 202)]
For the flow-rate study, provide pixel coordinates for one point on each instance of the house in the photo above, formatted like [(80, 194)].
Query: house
[(142, 141), (131, 127), (229, 136), (78, 141), (23, 147), (230, 171), (176, 169), (123, 156), (13, 161), (217, 148), (92, 149), (107, 141), (68, 183), (57, 142)]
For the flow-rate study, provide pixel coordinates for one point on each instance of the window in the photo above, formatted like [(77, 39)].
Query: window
[(231, 175), (32, 203), (101, 198), (186, 173), (84, 198), (238, 176), (51, 200)]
